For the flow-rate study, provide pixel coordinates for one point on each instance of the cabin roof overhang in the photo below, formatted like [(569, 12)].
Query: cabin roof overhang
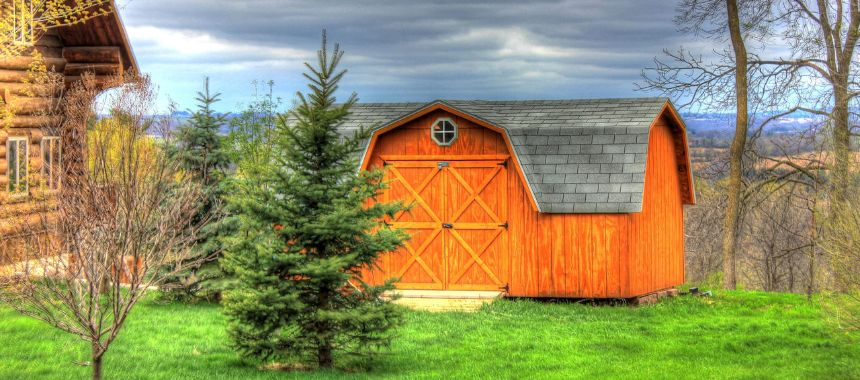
[(101, 32), (563, 150)]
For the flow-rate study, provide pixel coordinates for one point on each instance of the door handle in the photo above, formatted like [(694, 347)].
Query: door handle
[(447, 225)]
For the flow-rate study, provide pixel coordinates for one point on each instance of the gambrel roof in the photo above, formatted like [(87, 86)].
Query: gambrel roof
[(577, 156)]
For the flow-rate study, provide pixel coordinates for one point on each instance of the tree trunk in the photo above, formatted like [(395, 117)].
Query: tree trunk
[(791, 277), (324, 351), (810, 289), (732, 218), (841, 146), (324, 358), (97, 362)]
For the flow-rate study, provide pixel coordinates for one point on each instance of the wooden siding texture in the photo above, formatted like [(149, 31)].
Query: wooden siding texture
[(657, 258), (545, 255)]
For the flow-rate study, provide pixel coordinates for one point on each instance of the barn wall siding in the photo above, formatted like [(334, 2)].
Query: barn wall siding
[(658, 231), (567, 255)]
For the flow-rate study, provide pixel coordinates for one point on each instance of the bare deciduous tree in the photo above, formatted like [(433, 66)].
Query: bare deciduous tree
[(736, 152), (703, 230), (124, 210), (842, 246), (778, 239), (822, 37), (707, 84)]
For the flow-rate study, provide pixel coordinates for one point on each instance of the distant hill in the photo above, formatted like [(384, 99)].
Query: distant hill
[(706, 123)]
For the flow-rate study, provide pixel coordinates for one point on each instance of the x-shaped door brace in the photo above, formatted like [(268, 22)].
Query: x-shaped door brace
[(474, 197), (416, 197), (414, 193)]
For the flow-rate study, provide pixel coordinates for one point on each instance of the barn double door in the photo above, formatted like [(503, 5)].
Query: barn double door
[(457, 221)]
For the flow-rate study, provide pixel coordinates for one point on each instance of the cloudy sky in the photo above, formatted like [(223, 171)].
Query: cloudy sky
[(403, 50)]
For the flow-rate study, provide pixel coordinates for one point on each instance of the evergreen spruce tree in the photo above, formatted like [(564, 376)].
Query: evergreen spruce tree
[(308, 225), (199, 150)]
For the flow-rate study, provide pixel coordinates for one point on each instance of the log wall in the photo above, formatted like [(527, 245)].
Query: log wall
[(33, 108), (28, 104)]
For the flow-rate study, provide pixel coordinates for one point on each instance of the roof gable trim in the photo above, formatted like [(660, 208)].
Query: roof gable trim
[(690, 192)]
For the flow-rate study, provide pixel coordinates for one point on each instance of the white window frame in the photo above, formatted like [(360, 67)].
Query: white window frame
[(48, 177), (26, 157), (433, 131), (22, 25)]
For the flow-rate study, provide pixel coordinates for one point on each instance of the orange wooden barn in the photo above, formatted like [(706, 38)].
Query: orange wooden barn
[(561, 198)]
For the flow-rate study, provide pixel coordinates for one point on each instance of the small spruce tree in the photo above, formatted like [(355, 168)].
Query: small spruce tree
[(309, 224), (199, 149)]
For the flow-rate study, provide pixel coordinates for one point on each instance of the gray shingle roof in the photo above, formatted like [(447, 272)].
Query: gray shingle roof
[(578, 156)]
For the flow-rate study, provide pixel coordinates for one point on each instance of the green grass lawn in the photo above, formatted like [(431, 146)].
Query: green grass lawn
[(738, 335)]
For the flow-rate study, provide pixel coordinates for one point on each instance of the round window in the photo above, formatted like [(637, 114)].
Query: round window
[(444, 131)]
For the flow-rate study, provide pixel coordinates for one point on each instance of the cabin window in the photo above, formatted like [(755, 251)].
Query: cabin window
[(51, 150), (444, 131), (21, 24), (17, 151)]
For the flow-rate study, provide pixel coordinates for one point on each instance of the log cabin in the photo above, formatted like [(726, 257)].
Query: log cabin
[(560, 198), (30, 145)]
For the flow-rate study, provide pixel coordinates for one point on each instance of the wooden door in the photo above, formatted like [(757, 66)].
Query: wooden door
[(476, 210), (420, 185), (457, 220)]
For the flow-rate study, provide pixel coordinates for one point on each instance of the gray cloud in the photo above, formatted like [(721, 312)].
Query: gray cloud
[(403, 50)]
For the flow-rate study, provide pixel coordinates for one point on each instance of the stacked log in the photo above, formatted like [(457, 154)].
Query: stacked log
[(30, 107), (103, 61)]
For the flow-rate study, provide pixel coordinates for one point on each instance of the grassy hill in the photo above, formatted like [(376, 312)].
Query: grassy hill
[(734, 335)]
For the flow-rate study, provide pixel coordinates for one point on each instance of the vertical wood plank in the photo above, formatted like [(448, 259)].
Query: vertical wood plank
[(543, 249), (559, 268)]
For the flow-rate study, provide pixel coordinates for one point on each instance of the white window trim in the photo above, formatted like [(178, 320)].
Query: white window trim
[(59, 164), (22, 25), (12, 140), (433, 134)]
